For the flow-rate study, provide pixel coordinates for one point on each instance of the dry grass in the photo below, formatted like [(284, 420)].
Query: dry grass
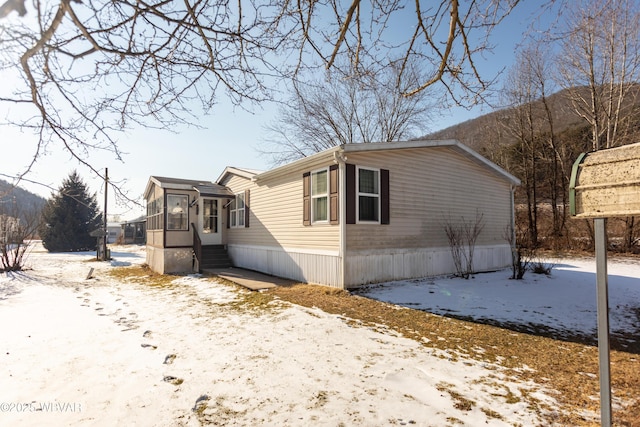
[(142, 275), (569, 368)]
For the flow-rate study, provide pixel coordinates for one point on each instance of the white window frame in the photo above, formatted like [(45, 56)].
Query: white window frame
[(362, 194), (236, 214), (319, 196)]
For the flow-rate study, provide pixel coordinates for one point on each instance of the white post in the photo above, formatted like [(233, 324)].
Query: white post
[(342, 212), (600, 229)]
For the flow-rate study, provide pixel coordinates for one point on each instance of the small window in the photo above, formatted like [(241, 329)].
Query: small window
[(177, 212), (368, 195), (319, 196), (237, 211)]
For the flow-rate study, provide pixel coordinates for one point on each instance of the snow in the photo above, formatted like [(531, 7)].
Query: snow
[(105, 351), (562, 303)]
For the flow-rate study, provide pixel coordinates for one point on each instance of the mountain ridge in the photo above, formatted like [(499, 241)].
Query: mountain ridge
[(16, 201)]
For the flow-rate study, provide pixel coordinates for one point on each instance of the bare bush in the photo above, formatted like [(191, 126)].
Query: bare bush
[(16, 230), (521, 254), (539, 266), (462, 238), (524, 257)]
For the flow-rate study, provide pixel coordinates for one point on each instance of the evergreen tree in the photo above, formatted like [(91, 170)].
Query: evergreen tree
[(69, 216)]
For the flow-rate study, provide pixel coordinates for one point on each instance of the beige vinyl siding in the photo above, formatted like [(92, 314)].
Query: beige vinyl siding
[(427, 189), (276, 211)]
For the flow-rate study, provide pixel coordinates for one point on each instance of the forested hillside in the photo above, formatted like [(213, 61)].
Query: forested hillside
[(17, 202), (489, 130)]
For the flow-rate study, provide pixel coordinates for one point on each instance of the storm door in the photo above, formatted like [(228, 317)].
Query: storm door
[(210, 221)]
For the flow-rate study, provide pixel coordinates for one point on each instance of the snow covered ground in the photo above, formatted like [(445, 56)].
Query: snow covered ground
[(562, 304), (103, 351)]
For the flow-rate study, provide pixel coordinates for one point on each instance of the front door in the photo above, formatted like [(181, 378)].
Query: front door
[(209, 221)]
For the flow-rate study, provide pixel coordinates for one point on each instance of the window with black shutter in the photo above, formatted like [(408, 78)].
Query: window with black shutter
[(367, 195)]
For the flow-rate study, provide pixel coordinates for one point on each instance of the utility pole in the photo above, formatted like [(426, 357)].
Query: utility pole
[(105, 257)]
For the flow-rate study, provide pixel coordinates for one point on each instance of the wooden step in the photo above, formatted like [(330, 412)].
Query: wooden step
[(215, 256)]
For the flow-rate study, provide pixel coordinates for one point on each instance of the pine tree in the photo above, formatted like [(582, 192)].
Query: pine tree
[(69, 216)]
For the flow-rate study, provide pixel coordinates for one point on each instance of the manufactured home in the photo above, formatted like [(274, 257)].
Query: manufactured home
[(351, 215)]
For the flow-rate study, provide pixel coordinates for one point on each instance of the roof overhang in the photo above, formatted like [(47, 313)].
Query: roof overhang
[(203, 188), (214, 190)]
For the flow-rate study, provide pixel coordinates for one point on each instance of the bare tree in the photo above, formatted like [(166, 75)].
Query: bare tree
[(537, 67), (521, 120), (345, 110), (84, 71), (599, 65)]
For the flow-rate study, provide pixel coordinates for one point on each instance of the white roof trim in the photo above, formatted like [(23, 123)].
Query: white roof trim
[(245, 173)]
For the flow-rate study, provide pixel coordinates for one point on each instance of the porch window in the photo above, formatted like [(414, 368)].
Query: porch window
[(319, 195), (368, 195), (155, 214), (177, 212), (210, 216)]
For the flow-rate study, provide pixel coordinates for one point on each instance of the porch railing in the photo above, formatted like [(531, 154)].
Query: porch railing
[(197, 246)]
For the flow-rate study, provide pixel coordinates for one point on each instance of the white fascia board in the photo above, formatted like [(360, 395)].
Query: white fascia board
[(298, 163), (374, 146)]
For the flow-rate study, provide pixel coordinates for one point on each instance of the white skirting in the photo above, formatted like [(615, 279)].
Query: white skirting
[(323, 267), (376, 267)]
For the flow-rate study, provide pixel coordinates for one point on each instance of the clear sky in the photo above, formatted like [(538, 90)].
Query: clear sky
[(230, 137)]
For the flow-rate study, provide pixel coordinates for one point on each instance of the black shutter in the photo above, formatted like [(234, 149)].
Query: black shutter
[(246, 208), (384, 196), (306, 198), (350, 181), (334, 216)]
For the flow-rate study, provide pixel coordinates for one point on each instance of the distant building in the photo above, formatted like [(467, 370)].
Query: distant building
[(114, 230), (134, 232)]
